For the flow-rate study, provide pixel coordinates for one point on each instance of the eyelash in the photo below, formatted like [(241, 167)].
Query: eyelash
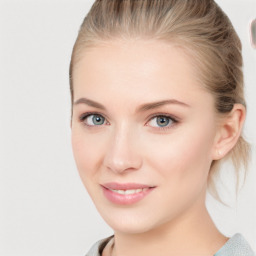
[(172, 119)]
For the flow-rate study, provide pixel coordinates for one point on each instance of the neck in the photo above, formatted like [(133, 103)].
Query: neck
[(193, 233)]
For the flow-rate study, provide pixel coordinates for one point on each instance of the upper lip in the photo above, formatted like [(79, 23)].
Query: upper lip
[(125, 186)]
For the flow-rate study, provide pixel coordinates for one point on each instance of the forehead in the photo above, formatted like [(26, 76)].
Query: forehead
[(135, 68)]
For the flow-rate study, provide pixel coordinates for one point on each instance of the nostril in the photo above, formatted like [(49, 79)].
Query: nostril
[(122, 154), (121, 162)]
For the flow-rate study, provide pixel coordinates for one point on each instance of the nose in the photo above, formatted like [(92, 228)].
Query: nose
[(122, 154)]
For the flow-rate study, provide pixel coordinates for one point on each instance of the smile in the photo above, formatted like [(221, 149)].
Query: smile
[(129, 192), (125, 194)]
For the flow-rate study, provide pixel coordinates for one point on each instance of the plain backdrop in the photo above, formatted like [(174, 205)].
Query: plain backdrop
[(44, 208)]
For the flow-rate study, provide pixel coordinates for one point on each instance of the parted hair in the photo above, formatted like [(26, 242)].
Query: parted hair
[(201, 28)]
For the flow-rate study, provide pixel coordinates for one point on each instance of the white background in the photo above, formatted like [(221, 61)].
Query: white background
[(44, 208)]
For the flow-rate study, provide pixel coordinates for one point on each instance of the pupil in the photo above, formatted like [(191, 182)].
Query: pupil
[(98, 120), (162, 121)]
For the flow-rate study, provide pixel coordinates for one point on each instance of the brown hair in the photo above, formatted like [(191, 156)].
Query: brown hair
[(198, 26)]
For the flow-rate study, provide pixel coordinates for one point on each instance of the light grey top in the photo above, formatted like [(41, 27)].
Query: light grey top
[(235, 246)]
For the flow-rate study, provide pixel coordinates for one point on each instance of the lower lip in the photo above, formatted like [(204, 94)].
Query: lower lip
[(125, 199)]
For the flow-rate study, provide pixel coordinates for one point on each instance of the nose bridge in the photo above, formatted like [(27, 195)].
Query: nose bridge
[(122, 152)]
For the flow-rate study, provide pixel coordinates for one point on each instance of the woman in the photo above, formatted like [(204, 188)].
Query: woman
[(157, 103)]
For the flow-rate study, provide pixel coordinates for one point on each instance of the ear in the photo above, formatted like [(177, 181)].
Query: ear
[(229, 131)]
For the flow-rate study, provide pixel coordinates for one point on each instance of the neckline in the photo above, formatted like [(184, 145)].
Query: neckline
[(225, 245), (234, 239)]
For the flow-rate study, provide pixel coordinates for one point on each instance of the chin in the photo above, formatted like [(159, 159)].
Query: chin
[(129, 221), (130, 227)]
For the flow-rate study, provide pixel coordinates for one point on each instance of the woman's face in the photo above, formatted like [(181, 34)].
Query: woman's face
[(143, 132)]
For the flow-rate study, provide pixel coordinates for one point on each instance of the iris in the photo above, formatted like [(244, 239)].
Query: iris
[(162, 121), (98, 120)]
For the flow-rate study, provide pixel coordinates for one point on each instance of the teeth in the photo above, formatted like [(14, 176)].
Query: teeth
[(129, 191)]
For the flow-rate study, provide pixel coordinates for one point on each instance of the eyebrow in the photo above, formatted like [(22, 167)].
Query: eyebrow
[(141, 108), (89, 103), (152, 105)]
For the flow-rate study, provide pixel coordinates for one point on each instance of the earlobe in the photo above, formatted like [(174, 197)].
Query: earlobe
[(229, 131)]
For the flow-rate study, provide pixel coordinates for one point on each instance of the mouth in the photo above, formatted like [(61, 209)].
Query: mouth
[(125, 194), (129, 191)]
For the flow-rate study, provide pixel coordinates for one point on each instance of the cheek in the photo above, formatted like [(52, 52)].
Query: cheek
[(182, 156), (86, 151), (182, 161)]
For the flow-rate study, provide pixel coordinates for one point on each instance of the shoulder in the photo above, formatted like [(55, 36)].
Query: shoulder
[(98, 247), (236, 246)]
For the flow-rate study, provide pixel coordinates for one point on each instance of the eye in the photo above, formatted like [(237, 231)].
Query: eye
[(162, 121), (92, 119)]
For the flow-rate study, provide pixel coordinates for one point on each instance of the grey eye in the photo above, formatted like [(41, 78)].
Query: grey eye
[(162, 121), (95, 120)]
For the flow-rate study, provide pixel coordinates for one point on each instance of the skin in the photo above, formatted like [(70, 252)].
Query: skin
[(130, 146)]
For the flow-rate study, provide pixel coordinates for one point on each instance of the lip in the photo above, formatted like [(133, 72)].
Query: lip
[(125, 186), (125, 199)]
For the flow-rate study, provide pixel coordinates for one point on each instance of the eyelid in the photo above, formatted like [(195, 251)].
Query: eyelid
[(175, 120), (83, 116), (173, 117)]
